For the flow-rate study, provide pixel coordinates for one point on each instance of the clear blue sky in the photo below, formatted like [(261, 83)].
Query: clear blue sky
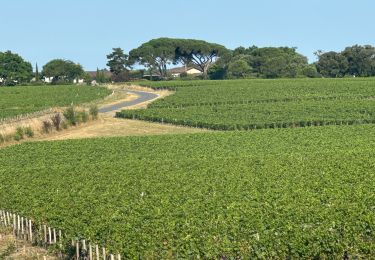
[(85, 30)]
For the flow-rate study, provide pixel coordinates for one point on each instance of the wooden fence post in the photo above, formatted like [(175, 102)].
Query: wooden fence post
[(27, 229), (31, 230), (9, 217), (60, 239), (2, 219), (14, 225), (54, 236), (18, 225), (77, 249), (104, 255), (84, 245), (97, 252), (45, 234), (49, 235), (90, 251), (22, 229)]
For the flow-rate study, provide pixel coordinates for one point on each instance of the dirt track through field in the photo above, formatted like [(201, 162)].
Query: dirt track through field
[(142, 97), (107, 125)]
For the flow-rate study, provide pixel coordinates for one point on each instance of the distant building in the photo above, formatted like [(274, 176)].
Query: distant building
[(47, 79), (78, 81), (176, 72), (106, 73), (154, 75)]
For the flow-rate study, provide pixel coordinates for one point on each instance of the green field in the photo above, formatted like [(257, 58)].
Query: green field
[(254, 104), (15, 101), (273, 193)]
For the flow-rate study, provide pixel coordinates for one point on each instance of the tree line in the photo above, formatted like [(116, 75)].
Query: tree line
[(214, 61), (15, 70)]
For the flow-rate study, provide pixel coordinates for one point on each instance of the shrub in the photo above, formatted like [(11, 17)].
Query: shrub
[(64, 125), (94, 111), (70, 115), (19, 134), (56, 121), (17, 137), (46, 126), (82, 116), (28, 132)]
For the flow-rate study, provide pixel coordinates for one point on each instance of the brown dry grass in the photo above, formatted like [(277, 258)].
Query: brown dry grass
[(11, 248), (7, 130), (108, 126)]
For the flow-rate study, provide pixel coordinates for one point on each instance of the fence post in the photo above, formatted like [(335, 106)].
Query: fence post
[(8, 215), (77, 249), (54, 236), (97, 252), (49, 235), (90, 251), (45, 234), (31, 230), (14, 225), (18, 225), (2, 218), (22, 228), (26, 229), (60, 239), (84, 245)]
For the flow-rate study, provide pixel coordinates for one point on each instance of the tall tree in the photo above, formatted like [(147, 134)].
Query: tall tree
[(238, 69), (62, 70), (201, 53), (361, 60), (155, 55), (101, 77), (272, 62), (117, 61), (332, 64), (36, 72), (97, 75), (14, 69)]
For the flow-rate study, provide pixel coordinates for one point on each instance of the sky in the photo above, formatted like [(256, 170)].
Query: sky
[(85, 31)]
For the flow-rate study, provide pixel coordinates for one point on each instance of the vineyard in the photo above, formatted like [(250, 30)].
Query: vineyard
[(15, 101), (272, 193), (254, 104)]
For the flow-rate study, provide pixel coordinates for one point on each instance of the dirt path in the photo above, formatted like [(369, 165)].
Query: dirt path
[(141, 97), (107, 125)]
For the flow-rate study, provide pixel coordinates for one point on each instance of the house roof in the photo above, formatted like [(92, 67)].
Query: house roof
[(179, 70), (107, 73), (154, 74)]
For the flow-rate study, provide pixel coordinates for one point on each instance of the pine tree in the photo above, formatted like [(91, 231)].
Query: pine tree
[(36, 72), (97, 74)]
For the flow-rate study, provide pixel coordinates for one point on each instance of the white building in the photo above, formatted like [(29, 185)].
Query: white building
[(176, 72)]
